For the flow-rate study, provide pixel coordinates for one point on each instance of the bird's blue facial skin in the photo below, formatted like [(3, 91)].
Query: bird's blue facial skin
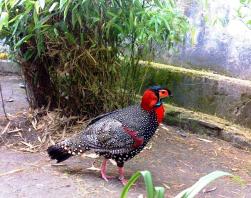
[(155, 88), (158, 104)]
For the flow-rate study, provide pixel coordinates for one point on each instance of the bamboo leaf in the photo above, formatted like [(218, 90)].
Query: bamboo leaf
[(66, 9), (28, 54), (24, 39), (62, 3), (56, 32), (13, 3), (37, 7), (53, 6), (42, 3), (4, 19), (70, 37)]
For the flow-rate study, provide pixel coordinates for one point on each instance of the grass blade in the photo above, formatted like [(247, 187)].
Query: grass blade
[(148, 183), (131, 181), (159, 192), (199, 185)]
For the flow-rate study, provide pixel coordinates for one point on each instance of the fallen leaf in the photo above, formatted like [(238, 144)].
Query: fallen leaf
[(91, 155), (93, 168), (148, 147), (9, 100), (39, 139), (164, 127), (5, 128), (21, 85), (181, 170), (204, 140), (58, 165), (27, 144), (234, 169), (209, 190), (166, 186), (15, 130), (113, 162), (11, 172)]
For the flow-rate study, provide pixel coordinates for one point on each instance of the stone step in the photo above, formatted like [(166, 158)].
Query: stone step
[(7, 66), (210, 93), (196, 122)]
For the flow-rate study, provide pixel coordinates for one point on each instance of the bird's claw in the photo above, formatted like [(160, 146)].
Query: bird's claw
[(106, 177), (123, 180)]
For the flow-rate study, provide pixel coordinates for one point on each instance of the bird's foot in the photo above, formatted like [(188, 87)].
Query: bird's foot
[(123, 180), (103, 171), (106, 177)]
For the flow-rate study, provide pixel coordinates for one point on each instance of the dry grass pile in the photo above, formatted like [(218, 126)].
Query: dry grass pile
[(35, 130)]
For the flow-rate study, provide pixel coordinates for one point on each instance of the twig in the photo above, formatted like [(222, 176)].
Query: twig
[(5, 128), (11, 172), (3, 103)]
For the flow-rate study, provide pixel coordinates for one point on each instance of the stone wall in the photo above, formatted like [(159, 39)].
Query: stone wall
[(225, 97), (223, 48), (3, 48)]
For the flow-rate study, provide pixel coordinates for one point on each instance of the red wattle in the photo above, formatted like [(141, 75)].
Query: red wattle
[(148, 101), (160, 113)]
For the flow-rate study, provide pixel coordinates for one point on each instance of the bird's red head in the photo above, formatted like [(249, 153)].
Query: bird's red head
[(152, 100)]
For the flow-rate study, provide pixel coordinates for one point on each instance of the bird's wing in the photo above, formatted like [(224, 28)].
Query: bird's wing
[(109, 135), (100, 117)]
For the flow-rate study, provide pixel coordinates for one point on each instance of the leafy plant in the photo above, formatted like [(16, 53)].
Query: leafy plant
[(242, 12), (152, 192), (158, 192), (82, 55), (199, 185), (3, 56)]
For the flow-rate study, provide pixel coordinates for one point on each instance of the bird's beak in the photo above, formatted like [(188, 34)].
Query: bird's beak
[(164, 93), (170, 94)]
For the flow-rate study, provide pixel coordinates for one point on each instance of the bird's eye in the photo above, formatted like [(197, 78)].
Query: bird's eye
[(163, 92)]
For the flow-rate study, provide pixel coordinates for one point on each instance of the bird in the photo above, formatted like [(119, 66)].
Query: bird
[(119, 135)]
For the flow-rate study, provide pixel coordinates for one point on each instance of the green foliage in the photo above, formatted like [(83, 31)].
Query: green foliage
[(158, 192), (74, 48), (199, 185), (152, 192), (244, 12)]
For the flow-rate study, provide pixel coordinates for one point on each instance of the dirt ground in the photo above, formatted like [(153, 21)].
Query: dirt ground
[(175, 161)]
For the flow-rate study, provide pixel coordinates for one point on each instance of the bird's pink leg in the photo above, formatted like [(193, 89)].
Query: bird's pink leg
[(122, 175), (103, 171)]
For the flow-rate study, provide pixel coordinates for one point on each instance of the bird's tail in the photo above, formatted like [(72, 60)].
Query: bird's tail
[(58, 153), (67, 148)]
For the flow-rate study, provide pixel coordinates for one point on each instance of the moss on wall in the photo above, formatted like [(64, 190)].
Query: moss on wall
[(200, 91)]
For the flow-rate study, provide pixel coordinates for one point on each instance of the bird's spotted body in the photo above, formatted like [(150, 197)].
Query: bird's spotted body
[(143, 123), (118, 135)]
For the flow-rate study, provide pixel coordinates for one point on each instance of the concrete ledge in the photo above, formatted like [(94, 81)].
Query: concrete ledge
[(203, 91), (201, 123), (7, 66)]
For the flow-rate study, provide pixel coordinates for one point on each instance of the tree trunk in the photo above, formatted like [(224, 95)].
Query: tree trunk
[(40, 91)]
